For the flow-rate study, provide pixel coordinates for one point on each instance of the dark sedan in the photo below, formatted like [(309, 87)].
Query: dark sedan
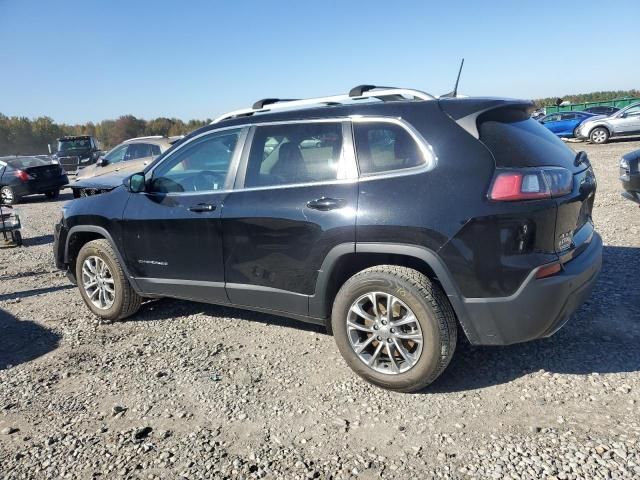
[(630, 175), (22, 176)]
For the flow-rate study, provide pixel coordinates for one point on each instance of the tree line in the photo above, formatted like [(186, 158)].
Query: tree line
[(24, 136), (589, 97)]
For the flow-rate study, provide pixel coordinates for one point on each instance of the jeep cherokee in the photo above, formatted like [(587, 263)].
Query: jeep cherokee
[(390, 216)]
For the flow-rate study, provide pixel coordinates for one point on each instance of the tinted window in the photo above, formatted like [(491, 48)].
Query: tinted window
[(138, 150), (27, 162), (286, 154), (117, 154), (155, 150), (551, 118), (568, 116), (383, 146), (201, 165)]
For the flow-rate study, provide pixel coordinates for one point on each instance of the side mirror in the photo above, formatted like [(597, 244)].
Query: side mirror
[(135, 183), (102, 162)]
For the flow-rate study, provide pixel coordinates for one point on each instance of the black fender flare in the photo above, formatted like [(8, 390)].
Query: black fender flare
[(318, 309), (107, 236)]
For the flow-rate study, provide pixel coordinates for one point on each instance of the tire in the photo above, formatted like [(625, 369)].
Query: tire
[(125, 300), (575, 132), (53, 194), (76, 193), (413, 293), (8, 196), (599, 135)]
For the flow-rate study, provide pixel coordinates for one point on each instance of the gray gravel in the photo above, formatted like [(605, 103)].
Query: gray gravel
[(185, 390)]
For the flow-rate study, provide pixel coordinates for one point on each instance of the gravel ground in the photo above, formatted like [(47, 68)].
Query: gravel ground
[(199, 391)]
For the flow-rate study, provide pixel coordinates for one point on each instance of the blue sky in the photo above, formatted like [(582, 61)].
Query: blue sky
[(79, 61)]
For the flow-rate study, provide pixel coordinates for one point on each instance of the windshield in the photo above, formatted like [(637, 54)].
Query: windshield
[(74, 144), (27, 162)]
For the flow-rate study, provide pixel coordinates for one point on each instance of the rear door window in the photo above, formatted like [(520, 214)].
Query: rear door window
[(296, 153), (381, 147)]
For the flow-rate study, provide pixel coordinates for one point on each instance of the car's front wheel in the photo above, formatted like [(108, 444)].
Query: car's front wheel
[(394, 327), (103, 284), (599, 135)]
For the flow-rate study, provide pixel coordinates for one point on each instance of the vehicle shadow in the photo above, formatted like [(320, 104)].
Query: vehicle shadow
[(35, 241), (601, 337), (33, 292), (22, 340)]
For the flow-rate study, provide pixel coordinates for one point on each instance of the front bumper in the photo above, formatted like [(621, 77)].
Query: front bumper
[(540, 307), (631, 185)]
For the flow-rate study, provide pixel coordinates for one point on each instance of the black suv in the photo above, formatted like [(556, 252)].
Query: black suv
[(388, 215)]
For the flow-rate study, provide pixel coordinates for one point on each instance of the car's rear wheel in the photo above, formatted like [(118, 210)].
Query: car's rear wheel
[(8, 196), (76, 193), (599, 135), (103, 284), (394, 327), (53, 194)]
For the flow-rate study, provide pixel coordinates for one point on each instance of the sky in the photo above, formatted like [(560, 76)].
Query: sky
[(79, 61)]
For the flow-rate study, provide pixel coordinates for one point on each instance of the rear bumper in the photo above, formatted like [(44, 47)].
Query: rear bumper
[(34, 188), (540, 307)]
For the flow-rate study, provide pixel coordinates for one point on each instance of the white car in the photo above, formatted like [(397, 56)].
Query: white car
[(622, 123)]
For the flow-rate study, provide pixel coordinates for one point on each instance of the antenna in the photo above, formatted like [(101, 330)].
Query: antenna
[(454, 93), (455, 89)]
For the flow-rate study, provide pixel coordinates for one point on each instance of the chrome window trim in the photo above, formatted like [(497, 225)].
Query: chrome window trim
[(246, 137)]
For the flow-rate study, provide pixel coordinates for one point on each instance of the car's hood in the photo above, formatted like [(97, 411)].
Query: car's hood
[(127, 167), (103, 182), (90, 171)]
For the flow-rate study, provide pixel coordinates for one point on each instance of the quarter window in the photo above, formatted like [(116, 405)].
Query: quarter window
[(296, 153), (381, 147), (201, 165)]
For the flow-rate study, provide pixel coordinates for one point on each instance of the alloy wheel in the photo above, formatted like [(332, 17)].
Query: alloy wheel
[(98, 282), (384, 333), (599, 136)]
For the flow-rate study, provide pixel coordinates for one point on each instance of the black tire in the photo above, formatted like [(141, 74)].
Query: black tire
[(599, 135), (76, 193), (53, 194), (430, 307), (8, 196), (126, 301)]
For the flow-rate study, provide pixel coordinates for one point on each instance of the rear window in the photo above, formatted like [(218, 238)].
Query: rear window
[(382, 147), (27, 162), (519, 141)]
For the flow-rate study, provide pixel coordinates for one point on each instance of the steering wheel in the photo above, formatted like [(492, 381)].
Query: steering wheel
[(206, 179)]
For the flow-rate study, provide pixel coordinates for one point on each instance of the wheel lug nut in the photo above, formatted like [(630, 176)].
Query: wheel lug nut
[(389, 340), (379, 338), (393, 330), (384, 322), (375, 327)]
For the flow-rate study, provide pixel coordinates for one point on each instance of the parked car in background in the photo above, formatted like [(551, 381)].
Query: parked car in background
[(538, 114), (322, 210), (624, 122), (602, 110), (76, 152), (22, 176), (564, 124), (630, 175), (131, 155)]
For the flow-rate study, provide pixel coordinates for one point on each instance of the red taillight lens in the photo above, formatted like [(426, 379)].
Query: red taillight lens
[(531, 184), (22, 175)]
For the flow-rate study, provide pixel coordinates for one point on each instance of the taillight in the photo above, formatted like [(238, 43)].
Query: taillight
[(531, 184), (548, 270), (22, 175)]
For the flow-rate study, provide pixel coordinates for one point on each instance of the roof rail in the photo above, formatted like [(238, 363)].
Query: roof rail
[(357, 93)]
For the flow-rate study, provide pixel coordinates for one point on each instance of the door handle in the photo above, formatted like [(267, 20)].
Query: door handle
[(202, 207), (324, 204)]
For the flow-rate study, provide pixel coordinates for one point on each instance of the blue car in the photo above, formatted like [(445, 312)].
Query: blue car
[(564, 124)]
